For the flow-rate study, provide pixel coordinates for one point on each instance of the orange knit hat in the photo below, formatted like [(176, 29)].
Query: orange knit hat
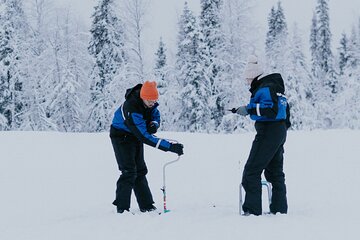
[(149, 91)]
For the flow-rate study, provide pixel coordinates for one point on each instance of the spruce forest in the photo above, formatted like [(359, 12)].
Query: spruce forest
[(56, 75)]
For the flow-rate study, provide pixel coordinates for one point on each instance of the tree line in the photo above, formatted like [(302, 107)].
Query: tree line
[(56, 75)]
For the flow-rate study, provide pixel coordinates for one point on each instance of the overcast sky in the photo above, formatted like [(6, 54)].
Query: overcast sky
[(342, 12), (163, 16)]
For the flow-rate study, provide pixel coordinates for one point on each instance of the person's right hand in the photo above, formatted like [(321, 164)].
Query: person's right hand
[(177, 148), (152, 127)]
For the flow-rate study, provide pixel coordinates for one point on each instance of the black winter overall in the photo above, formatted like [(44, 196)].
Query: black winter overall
[(269, 108), (128, 134), (266, 154), (129, 152)]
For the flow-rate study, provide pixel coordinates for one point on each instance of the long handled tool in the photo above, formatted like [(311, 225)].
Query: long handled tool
[(163, 189)]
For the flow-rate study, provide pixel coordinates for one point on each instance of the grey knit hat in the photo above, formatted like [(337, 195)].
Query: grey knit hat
[(253, 68)]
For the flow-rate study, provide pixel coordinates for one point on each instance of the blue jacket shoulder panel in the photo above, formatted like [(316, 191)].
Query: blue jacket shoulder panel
[(119, 120), (268, 102)]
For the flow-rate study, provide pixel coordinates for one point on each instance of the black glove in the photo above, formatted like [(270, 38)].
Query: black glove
[(177, 148), (152, 127)]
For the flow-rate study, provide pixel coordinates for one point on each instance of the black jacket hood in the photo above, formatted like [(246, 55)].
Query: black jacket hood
[(132, 91), (271, 79)]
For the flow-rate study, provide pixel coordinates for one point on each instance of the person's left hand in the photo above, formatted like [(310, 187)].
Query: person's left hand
[(177, 148), (152, 127), (242, 111)]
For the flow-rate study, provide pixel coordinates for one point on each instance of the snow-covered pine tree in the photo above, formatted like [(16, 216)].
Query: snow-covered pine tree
[(276, 44), (325, 76), (271, 34), (163, 78), (315, 85), (349, 96), (13, 53), (325, 56), (195, 113), (343, 53), (358, 30), (358, 38), (134, 18), (324, 36), (297, 85), (107, 46), (349, 85), (210, 26), (161, 67), (349, 88), (315, 62), (353, 50), (40, 55), (67, 100), (5, 89)]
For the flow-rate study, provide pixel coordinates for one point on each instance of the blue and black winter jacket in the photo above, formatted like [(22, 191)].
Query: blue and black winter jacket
[(133, 117), (268, 102)]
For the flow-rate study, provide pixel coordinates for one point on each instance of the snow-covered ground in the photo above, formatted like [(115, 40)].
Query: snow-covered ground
[(60, 186)]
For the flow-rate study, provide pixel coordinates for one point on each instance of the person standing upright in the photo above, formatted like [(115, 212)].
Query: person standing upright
[(269, 109), (134, 124)]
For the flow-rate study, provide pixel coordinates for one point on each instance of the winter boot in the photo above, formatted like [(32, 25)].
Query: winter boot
[(150, 208), (121, 210)]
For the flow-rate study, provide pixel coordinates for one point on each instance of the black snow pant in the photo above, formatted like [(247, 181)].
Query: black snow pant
[(129, 153), (266, 154)]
